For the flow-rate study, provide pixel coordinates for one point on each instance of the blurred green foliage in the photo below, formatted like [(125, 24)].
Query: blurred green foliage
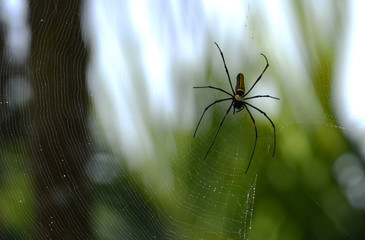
[(17, 201)]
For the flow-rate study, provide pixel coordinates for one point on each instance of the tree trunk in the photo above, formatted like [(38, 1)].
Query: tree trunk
[(58, 131)]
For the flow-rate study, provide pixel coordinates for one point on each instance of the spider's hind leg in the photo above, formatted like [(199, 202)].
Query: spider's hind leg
[(254, 147), (220, 125)]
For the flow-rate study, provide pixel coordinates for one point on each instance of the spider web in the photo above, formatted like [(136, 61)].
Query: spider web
[(104, 149)]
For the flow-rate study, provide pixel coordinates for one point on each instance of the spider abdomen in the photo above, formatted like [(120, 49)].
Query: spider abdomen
[(240, 92), (240, 85)]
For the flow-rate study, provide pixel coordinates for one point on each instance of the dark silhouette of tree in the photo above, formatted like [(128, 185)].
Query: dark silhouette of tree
[(58, 129)]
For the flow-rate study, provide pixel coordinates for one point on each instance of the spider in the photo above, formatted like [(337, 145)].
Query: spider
[(239, 102)]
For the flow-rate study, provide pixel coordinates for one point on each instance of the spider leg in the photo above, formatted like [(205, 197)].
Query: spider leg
[(239, 110), (258, 79), (220, 125), (254, 147), (221, 100), (258, 96), (225, 66), (219, 89), (272, 124)]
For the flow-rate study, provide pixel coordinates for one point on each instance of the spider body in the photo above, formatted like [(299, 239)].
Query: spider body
[(238, 99), (239, 94)]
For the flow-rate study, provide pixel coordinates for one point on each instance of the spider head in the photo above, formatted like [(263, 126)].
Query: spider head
[(240, 85)]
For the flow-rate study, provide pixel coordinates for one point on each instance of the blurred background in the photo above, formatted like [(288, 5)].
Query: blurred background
[(98, 111)]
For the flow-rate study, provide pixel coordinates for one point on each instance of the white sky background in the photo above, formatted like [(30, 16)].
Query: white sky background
[(156, 39)]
